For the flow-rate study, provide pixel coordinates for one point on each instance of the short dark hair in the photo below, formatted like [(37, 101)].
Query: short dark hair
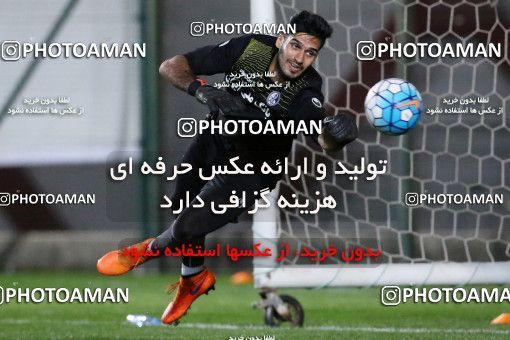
[(313, 24)]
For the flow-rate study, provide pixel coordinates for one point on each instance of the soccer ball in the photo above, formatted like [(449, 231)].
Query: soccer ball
[(393, 106)]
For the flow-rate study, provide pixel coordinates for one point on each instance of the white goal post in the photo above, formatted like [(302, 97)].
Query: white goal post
[(442, 244)]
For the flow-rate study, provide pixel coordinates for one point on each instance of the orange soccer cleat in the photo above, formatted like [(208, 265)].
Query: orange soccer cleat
[(118, 262), (188, 290)]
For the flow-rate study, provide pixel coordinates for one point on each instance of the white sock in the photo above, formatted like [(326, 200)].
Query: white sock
[(185, 270), (149, 246)]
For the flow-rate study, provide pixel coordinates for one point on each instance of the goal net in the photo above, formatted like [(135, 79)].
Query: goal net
[(463, 154)]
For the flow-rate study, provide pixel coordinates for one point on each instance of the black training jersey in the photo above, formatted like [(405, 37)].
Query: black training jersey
[(245, 60)]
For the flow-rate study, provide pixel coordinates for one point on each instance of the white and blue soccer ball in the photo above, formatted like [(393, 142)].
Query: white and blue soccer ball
[(393, 106)]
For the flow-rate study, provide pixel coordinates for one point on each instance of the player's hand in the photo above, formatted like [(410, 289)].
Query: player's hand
[(219, 100), (341, 129)]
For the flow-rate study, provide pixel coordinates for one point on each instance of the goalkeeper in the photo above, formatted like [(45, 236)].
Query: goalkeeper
[(287, 60)]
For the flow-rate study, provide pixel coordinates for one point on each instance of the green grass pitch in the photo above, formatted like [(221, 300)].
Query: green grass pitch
[(329, 313)]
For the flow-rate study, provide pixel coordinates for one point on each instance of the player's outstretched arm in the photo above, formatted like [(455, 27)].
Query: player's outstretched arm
[(178, 72), (337, 131)]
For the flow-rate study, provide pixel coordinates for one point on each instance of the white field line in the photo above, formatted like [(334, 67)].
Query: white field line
[(222, 326), (353, 329)]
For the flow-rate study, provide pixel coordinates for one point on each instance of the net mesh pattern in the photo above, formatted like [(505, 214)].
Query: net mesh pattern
[(444, 153)]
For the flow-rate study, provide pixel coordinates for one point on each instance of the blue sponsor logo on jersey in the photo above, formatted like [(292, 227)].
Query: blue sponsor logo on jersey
[(273, 98)]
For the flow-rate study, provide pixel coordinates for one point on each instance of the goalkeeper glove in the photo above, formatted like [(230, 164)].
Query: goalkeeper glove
[(216, 99), (342, 128)]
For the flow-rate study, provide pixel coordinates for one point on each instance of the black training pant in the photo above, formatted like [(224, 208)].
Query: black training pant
[(193, 224)]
